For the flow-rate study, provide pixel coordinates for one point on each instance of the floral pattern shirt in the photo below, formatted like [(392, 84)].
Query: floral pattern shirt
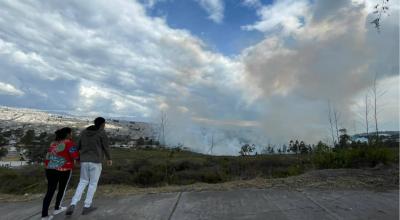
[(61, 155)]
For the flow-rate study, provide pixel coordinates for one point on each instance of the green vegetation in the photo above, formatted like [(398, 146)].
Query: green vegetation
[(160, 167), (19, 181), (356, 156), (3, 152)]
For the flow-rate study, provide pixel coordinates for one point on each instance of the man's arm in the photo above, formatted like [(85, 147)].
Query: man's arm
[(106, 148), (80, 144)]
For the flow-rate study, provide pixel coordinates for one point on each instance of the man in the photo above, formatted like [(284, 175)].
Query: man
[(93, 146)]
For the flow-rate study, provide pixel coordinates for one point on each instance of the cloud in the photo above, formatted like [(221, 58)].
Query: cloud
[(93, 58), (150, 3), (215, 9), (90, 58), (8, 89), (252, 3), (333, 57), (286, 14)]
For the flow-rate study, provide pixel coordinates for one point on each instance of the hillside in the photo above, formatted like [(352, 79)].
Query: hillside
[(15, 122)]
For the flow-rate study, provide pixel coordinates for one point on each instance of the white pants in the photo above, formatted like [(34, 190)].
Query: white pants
[(90, 174)]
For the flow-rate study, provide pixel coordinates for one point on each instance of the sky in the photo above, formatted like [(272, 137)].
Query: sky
[(228, 72)]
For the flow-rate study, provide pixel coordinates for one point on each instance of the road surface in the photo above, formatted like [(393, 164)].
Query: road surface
[(230, 205)]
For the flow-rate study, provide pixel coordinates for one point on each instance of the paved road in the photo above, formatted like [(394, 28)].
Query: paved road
[(230, 205)]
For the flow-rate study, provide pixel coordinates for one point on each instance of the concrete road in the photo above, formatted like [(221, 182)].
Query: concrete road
[(226, 205)]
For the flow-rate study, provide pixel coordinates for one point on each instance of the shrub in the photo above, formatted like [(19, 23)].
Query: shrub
[(185, 165), (20, 181), (150, 176), (353, 157)]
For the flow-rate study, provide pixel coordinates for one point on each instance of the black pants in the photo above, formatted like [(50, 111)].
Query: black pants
[(54, 178)]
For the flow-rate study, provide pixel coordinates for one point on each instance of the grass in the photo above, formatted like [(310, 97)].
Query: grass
[(166, 167), (158, 167)]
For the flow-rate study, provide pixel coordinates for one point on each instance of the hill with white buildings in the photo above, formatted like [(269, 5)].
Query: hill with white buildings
[(15, 122)]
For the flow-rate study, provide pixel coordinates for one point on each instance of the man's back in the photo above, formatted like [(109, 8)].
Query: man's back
[(93, 145)]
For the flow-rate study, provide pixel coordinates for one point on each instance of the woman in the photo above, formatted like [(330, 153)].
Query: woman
[(59, 164)]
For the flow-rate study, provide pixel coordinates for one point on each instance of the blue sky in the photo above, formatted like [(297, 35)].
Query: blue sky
[(241, 70), (226, 37)]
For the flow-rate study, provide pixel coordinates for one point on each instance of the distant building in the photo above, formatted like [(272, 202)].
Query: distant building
[(12, 151), (12, 164), (392, 136), (360, 139)]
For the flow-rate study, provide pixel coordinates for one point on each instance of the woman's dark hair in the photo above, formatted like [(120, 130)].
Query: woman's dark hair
[(98, 122), (62, 133)]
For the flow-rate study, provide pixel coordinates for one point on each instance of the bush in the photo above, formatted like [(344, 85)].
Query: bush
[(157, 168), (354, 157), (20, 181), (148, 176), (185, 165)]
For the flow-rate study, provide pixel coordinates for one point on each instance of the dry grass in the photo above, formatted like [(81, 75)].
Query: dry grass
[(380, 178)]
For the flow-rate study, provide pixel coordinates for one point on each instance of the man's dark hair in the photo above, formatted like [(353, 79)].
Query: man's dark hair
[(62, 133), (98, 122)]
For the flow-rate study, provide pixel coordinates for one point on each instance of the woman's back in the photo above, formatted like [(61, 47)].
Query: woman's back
[(61, 155)]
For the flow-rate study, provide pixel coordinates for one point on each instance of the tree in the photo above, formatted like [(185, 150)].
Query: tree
[(246, 149), (336, 117), (140, 141), (27, 139), (3, 152), (380, 9), (294, 146), (36, 152), (284, 148), (374, 93), (271, 150), (212, 143), (3, 141), (366, 114), (163, 124), (344, 138), (331, 123), (303, 148), (321, 148)]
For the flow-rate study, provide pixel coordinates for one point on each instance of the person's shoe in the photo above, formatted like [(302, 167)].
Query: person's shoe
[(58, 211), (49, 217), (87, 210), (70, 210)]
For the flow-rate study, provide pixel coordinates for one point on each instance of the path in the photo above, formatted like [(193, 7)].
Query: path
[(229, 205)]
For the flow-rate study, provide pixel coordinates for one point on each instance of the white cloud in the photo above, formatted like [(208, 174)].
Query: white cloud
[(288, 15), (8, 89), (88, 56), (215, 9), (151, 3), (252, 3)]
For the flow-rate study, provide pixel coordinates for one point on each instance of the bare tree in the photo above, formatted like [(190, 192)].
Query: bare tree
[(366, 114), (163, 124), (375, 115), (212, 143), (379, 9), (376, 93), (336, 116), (331, 123)]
